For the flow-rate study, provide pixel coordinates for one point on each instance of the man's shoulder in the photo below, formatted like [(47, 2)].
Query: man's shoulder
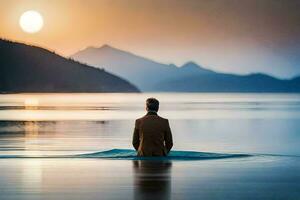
[(163, 119), (147, 116), (140, 119)]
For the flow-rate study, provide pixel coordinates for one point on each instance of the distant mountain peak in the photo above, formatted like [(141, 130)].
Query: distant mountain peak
[(95, 48), (88, 49), (191, 64), (106, 46), (173, 65), (110, 49)]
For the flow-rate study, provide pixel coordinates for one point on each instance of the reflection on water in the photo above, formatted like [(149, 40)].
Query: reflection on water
[(31, 129), (60, 137), (90, 179), (32, 173), (152, 180), (54, 107)]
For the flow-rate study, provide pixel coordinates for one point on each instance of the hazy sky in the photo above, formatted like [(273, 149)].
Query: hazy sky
[(238, 36)]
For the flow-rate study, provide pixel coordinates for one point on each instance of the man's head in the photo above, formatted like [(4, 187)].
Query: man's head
[(152, 104)]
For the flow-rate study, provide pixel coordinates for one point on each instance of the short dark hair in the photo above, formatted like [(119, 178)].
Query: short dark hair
[(152, 104)]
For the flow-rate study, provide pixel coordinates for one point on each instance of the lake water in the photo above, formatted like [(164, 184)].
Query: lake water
[(46, 143)]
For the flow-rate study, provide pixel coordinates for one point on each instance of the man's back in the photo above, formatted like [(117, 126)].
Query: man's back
[(152, 135)]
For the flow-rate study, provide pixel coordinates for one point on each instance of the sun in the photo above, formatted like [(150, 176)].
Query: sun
[(31, 21)]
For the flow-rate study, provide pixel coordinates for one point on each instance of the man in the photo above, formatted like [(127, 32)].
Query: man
[(152, 134)]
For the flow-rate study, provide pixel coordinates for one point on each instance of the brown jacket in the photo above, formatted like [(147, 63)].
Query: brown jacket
[(152, 135)]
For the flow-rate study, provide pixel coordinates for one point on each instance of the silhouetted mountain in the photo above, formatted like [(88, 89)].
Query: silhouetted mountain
[(229, 83), (33, 69), (192, 67), (143, 72), (149, 75), (138, 70)]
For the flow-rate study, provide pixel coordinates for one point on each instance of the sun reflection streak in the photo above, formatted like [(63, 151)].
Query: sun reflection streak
[(31, 129), (31, 103)]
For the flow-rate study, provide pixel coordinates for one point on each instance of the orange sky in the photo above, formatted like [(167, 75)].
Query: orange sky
[(226, 35)]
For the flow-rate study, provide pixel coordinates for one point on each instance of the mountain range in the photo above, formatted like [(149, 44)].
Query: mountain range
[(25, 68), (149, 75)]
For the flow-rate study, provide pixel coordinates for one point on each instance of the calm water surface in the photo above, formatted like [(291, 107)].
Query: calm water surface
[(266, 126)]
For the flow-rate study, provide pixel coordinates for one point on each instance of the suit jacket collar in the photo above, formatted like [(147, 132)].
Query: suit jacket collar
[(151, 113)]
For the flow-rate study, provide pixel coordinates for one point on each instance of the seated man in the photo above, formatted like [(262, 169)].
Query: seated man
[(152, 134)]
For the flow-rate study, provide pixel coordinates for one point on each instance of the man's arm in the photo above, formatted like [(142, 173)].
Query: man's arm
[(136, 137), (168, 138)]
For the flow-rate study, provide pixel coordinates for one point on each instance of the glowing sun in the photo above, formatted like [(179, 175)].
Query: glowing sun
[(31, 21)]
